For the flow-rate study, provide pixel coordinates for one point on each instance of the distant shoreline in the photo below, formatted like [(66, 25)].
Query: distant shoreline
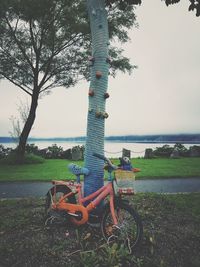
[(151, 139)]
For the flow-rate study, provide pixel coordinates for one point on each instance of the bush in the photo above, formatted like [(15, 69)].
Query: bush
[(54, 152), (194, 151), (164, 151), (29, 158), (183, 151), (67, 154), (32, 149), (33, 159)]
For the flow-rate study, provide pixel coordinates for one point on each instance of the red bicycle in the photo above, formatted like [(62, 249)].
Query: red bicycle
[(118, 220)]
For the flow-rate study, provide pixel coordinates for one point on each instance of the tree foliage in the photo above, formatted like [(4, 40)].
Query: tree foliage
[(194, 5), (47, 43)]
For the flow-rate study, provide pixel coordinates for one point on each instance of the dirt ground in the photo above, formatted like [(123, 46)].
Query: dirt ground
[(171, 236)]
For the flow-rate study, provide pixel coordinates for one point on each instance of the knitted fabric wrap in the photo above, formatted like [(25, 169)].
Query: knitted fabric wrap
[(95, 125), (77, 170)]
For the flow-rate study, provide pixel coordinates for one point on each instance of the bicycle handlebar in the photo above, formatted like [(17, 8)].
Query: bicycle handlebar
[(114, 167)]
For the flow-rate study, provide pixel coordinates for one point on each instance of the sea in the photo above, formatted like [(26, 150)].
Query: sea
[(112, 149)]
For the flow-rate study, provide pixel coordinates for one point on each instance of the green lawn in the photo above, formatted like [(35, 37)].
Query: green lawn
[(57, 169)]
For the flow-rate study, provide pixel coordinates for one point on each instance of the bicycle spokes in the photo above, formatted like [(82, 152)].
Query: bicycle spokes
[(128, 229)]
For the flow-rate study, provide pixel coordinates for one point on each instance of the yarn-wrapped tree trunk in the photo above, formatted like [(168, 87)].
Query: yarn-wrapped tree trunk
[(97, 95)]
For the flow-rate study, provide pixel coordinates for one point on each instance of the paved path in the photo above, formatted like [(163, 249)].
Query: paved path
[(39, 189)]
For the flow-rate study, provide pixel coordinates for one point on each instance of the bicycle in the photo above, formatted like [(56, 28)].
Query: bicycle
[(119, 222)]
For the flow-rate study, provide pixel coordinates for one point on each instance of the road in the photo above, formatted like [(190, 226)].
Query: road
[(39, 189)]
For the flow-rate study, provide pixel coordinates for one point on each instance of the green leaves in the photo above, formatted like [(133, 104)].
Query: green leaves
[(123, 3), (194, 4), (171, 2), (46, 43)]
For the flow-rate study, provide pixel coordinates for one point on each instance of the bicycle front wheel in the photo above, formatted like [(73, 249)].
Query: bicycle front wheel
[(129, 229)]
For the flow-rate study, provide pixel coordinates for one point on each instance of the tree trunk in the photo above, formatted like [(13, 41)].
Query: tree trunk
[(27, 127), (98, 88)]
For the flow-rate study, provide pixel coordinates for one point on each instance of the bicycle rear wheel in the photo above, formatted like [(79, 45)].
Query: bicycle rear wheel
[(129, 229), (53, 216)]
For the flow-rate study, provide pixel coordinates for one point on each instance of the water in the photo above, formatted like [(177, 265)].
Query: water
[(112, 149)]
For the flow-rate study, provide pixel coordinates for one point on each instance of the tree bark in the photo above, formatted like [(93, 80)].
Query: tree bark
[(98, 85), (27, 126)]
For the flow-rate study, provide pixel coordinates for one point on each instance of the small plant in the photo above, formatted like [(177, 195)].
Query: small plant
[(106, 255), (17, 123)]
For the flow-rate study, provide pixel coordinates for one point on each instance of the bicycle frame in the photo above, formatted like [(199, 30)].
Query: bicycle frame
[(94, 198)]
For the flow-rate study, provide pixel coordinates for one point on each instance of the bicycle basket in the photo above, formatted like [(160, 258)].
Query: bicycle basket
[(125, 179), (124, 175)]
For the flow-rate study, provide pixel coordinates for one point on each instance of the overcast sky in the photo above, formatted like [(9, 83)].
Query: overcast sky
[(161, 96)]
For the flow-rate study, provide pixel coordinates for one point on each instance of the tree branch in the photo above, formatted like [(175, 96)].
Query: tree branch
[(48, 87), (56, 71), (64, 46), (17, 84), (6, 53), (16, 25), (48, 62), (19, 45), (32, 37), (60, 71)]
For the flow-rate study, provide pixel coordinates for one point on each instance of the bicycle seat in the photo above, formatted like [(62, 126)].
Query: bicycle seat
[(77, 170)]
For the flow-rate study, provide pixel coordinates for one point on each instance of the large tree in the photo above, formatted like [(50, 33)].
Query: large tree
[(100, 26), (45, 44)]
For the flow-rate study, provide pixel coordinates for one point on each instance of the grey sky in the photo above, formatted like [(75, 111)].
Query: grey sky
[(161, 96)]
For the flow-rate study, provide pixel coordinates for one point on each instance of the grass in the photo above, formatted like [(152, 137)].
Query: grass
[(171, 236), (162, 167), (50, 169), (57, 169)]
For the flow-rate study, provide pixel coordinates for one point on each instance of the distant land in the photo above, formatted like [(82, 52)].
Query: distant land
[(165, 138)]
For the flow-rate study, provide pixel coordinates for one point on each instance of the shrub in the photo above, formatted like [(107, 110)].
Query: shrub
[(183, 151), (164, 151), (33, 159), (67, 154), (29, 158), (32, 149), (194, 151), (54, 152)]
